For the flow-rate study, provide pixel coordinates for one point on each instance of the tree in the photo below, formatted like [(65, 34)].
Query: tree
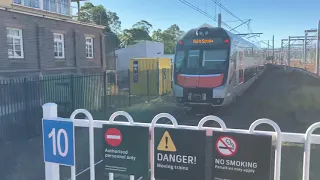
[(157, 35), (169, 37), (133, 36), (138, 32), (99, 15), (144, 25)]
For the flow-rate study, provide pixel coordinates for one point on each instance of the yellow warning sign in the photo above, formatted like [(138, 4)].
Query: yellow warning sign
[(166, 143)]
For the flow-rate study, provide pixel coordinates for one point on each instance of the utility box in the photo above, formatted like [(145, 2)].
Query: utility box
[(150, 76)]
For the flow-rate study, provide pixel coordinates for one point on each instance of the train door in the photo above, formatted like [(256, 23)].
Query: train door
[(233, 68), (238, 67), (241, 67), (239, 72)]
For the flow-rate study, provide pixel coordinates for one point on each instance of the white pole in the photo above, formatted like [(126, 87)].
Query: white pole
[(110, 176), (131, 177), (91, 139), (318, 49), (277, 165), (307, 147), (153, 124), (91, 148), (50, 111)]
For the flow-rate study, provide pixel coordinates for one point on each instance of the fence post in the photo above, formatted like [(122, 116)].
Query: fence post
[(72, 93), (50, 111), (148, 88), (277, 164), (152, 126), (26, 104), (91, 139), (129, 87), (307, 147), (105, 90), (209, 133)]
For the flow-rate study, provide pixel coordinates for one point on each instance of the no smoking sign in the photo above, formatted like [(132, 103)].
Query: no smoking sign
[(226, 146), (241, 156)]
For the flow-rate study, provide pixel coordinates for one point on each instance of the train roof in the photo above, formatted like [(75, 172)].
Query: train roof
[(218, 30)]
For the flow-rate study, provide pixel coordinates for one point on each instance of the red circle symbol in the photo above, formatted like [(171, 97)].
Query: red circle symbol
[(226, 146), (113, 137)]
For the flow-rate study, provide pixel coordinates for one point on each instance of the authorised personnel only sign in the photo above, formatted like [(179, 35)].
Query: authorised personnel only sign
[(126, 150)]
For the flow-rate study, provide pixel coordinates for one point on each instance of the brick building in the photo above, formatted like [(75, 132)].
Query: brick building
[(40, 37)]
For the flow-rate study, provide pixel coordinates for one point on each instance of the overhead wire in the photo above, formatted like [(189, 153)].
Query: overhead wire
[(222, 22), (227, 10), (206, 14), (236, 17)]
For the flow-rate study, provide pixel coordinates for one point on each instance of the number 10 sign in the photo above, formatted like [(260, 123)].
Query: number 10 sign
[(58, 141)]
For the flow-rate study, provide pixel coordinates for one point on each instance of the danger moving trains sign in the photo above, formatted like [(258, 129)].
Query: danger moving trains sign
[(241, 156), (179, 154)]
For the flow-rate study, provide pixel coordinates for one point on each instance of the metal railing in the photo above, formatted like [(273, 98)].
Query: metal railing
[(101, 93), (52, 170)]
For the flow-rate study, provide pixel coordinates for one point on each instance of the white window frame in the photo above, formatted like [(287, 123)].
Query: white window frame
[(20, 37), (59, 41), (53, 6), (24, 3), (89, 44)]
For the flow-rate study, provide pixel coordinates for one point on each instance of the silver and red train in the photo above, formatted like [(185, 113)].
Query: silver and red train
[(213, 66)]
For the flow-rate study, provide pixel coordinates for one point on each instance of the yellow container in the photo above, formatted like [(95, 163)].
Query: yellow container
[(150, 74)]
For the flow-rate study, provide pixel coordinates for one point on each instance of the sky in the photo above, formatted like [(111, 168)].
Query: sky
[(281, 18)]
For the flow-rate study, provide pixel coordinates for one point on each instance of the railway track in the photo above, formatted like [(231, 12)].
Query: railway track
[(192, 116)]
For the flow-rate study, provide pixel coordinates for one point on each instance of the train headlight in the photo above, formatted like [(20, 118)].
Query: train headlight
[(204, 96)]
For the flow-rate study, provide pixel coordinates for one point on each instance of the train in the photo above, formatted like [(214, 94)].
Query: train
[(213, 66)]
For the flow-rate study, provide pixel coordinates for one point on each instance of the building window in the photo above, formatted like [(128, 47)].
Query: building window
[(55, 6), (32, 3), (15, 43), (50, 5), (64, 7), (29, 3), (17, 1), (89, 47), (58, 45)]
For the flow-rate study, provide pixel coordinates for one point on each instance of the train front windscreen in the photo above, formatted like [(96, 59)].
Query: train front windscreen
[(202, 56)]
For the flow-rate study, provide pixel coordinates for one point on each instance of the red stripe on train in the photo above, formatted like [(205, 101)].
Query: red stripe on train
[(187, 81), (200, 81)]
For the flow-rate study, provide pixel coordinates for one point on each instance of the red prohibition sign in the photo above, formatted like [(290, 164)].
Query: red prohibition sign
[(113, 137), (226, 146)]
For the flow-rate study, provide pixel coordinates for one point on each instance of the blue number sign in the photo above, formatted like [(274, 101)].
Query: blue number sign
[(58, 141)]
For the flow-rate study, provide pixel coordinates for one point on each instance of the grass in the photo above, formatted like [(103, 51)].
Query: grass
[(145, 111), (303, 98)]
